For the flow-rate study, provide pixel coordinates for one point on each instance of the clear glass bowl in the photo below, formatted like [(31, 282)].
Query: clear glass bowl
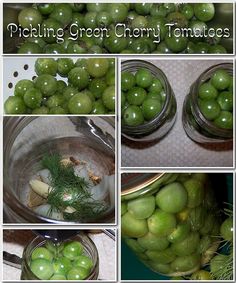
[(27, 139), (156, 128)]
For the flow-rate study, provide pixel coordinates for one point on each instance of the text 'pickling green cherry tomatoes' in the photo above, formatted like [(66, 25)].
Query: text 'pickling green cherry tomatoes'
[(48, 93)]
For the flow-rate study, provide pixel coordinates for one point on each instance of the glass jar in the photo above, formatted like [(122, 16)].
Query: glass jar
[(169, 220), (197, 127), (90, 250), (156, 128), (28, 139)]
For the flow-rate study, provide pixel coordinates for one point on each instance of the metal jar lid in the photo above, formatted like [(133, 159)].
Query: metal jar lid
[(133, 182)]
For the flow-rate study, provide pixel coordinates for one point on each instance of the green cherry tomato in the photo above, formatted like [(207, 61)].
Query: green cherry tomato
[(109, 98), (30, 17), (58, 277), (97, 86), (78, 77), (80, 103), (54, 48), (133, 116), (152, 242), (209, 108), (72, 250), (22, 86), (96, 7), (132, 227), (172, 198), (151, 108), (69, 92), (45, 8), (207, 91), (187, 10), (30, 48), (61, 265), (176, 43), (42, 268), (97, 67), (186, 246), (58, 110), (224, 120), (201, 275), (141, 208), (136, 96), (204, 11), (185, 263), (225, 100), (156, 86), (161, 223), (226, 229), (43, 110), (110, 76), (143, 78), (45, 66), (62, 13), (61, 85), (47, 84), (118, 12), (217, 49), (55, 100), (14, 105), (127, 80), (33, 98), (77, 273), (41, 252), (64, 66), (54, 26), (98, 107), (84, 261), (221, 79), (143, 8), (161, 257)]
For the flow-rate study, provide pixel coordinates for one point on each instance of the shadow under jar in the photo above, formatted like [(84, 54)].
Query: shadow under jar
[(169, 220), (89, 247), (28, 139), (197, 127), (161, 124)]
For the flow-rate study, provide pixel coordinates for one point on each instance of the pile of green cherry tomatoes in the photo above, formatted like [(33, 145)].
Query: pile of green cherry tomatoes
[(142, 97), (108, 15), (215, 99), (61, 261), (87, 86)]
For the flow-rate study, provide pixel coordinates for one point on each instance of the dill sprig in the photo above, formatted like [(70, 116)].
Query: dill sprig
[(70, 190)]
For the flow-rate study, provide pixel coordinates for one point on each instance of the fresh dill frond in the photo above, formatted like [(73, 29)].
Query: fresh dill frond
[(70, 190)]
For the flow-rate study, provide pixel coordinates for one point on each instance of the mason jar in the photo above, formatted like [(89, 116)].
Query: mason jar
[(28, 139), (90, 250), (160, 125), (170, 220), (196, 126)]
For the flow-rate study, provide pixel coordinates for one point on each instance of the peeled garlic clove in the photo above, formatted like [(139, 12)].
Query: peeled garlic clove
[(40, 188), (44, 175), (70, 209)]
